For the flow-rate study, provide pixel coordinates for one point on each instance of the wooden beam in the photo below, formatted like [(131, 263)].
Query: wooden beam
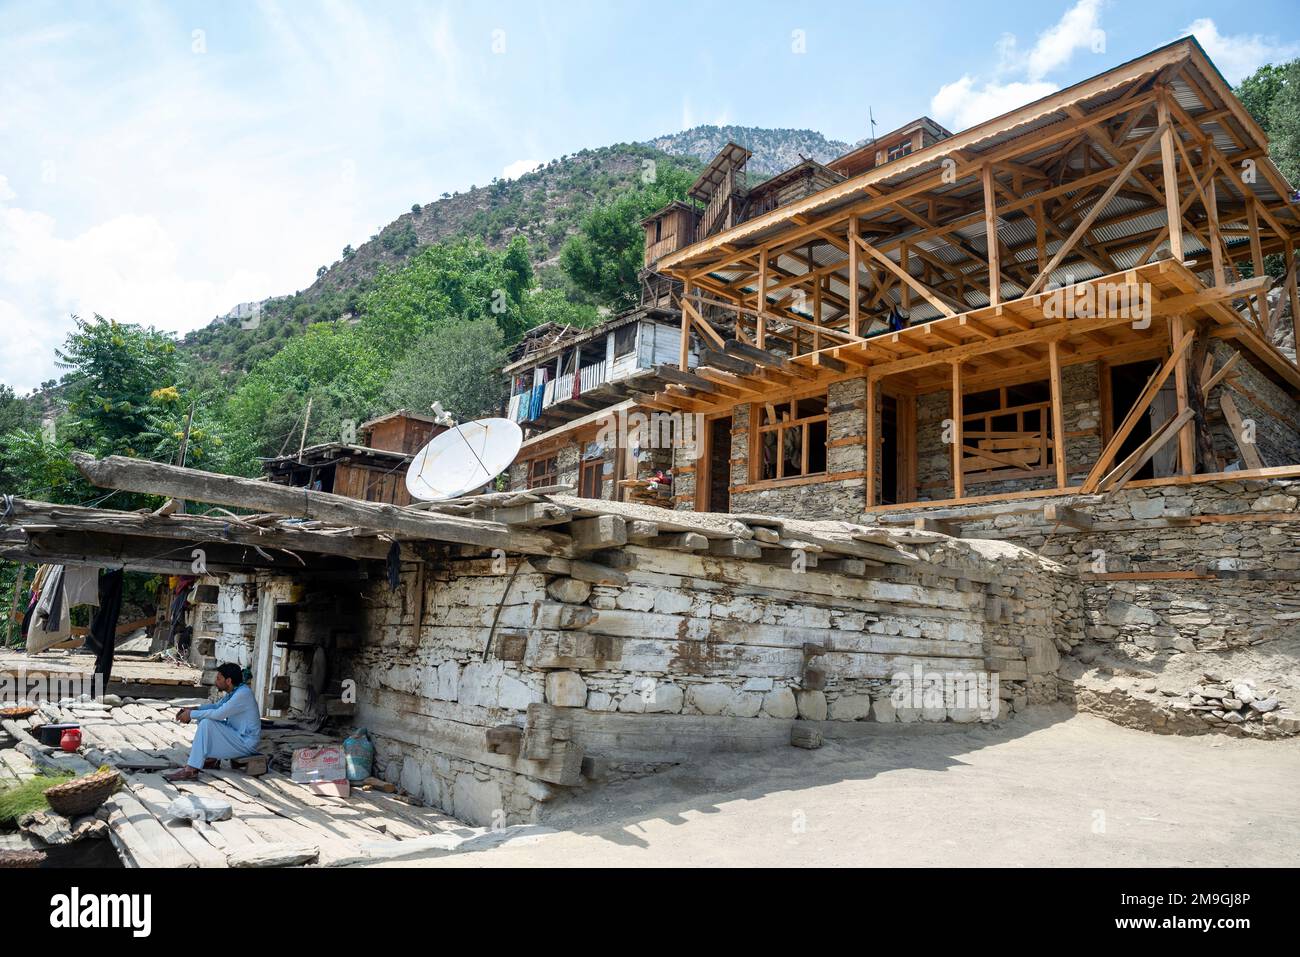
[(1169, 167), (156, 478), (1086, 223), (1058, 414), (196, 530), (991, 236), (873, 389), (916, 284), (1182, 383), (684, 347), (1249, 454), (1139, 409), (958, 481), (855, 324), (1065, 515), (1119, 476)]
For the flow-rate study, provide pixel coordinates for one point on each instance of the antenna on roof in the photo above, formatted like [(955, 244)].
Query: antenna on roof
[(872, 118)]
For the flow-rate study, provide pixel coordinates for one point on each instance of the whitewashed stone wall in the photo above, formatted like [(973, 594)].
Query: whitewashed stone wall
[(692, 652)]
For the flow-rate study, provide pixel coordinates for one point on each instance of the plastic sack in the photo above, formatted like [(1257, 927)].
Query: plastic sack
[(193, 808), (318, 764), (359, 756)]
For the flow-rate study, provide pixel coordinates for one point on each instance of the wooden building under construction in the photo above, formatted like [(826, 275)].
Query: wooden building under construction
[(997, 313)]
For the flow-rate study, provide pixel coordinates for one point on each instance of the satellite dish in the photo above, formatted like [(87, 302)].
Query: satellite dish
[(463, 459)]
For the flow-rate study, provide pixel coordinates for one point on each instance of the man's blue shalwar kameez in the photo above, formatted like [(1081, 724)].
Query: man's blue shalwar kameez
[(229, 728)]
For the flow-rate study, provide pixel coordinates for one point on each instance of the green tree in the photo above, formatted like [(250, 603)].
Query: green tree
[(1272, 95), (334, 365), (552, 305), (606, 255), (463, 279), (114, 371), (458, 363)]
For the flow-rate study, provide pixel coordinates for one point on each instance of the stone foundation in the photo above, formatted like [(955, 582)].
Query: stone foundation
[(691, 654)]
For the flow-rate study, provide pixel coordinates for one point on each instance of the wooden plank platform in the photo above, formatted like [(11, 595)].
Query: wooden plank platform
[(273, 817)]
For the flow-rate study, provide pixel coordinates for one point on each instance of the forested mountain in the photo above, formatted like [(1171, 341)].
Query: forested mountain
[(545, 206)]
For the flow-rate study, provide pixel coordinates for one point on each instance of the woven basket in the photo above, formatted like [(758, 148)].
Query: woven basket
[(21, 858), (17, 713), (83, 795)]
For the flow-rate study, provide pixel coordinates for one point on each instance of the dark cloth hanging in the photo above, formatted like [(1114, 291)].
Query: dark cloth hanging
[(394, 566), (103, 626), (176, 610)]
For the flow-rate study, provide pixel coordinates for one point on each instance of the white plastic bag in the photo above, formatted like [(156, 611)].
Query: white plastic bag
[(193, 808)]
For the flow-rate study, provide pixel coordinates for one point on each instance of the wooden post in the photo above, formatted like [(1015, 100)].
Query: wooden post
[(1058, 414), (305, 420), (991, 238), (958, 482), (853, 277), (906, 431), (1292, 290), (1187, 434), (873, 440), (684, 355), (1216, 241), (1170, 167), (13, 610), (906, 291), (1257, 259), (1040, 237), (760, 331), (817, 314)]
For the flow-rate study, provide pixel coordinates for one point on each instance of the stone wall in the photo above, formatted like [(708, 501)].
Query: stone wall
[(1274, 415), (688, 653), (1241, 541), (846, 456)]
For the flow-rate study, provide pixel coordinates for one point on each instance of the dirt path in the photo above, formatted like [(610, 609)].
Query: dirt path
[(1050, 788)]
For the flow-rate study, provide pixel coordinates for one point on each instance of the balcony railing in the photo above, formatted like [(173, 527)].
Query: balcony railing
[(524, 406)]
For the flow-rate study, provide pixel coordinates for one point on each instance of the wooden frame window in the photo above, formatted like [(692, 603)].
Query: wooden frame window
[(625, 340), (542, 471), (899, 151), (591, 471), (1006, 432), (789, 438)]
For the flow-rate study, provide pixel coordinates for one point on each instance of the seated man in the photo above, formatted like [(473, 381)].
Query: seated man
[(229, 728)]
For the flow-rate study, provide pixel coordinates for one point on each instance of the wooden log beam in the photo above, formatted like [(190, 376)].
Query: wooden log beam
[(991, 235), (156, 478), (1058, 413), (1120, 474), (195, 529), (1182, 384)]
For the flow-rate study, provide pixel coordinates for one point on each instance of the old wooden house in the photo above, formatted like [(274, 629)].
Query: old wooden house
[(371, 467)]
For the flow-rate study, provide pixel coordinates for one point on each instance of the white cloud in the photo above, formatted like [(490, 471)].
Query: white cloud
[(157, 186), (1021, 76), (1239, 55), (1079, 29), (519, 168), (962, 103)]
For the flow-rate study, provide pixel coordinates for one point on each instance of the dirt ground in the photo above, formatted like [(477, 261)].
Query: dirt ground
[(1047, 788)]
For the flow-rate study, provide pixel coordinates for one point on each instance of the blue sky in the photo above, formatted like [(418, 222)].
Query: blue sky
[(161, 162)]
